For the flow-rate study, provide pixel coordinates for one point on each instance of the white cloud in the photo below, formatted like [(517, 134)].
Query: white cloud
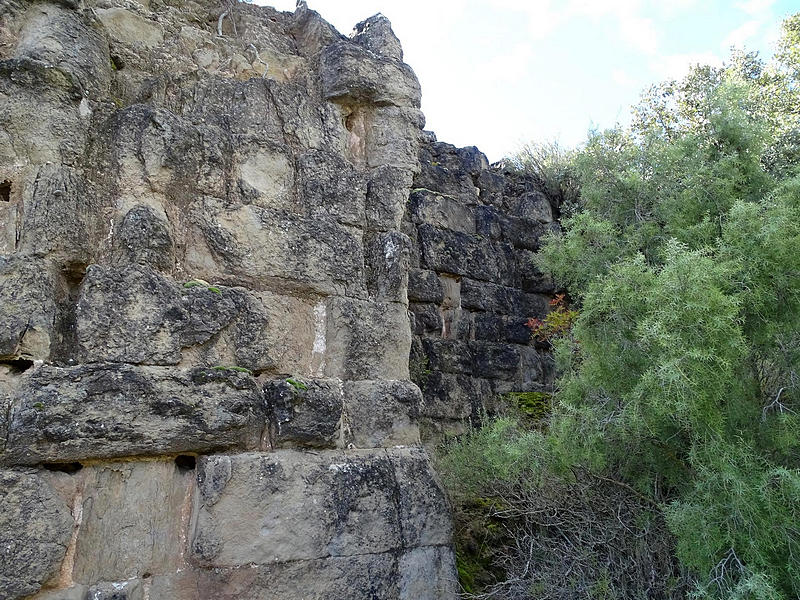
[(742, 34), (756, 8), (622, 79), (675, 66)]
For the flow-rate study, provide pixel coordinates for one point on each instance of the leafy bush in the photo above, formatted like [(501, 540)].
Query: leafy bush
[(679, 388)]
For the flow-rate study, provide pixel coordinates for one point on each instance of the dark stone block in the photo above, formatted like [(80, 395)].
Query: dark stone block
[(449, 356), (494, 360), (304, 413), (424, 286), (426, 319)]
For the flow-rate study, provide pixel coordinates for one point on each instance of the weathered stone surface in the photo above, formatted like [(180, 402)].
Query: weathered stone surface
[(479, 295), (381, 413), (252, 245), (109, 410), (35, 528), (377, 36), (350, 73), (27, 308), (424, 286), (464, 254), (367, 340), (425, 319), (495, 361), (362, 577), (131, 315), (387, 194), (144, 238), (304, 412), (116, 590), (311, 506), (449, 356), (387, 266), (133, 519), (420, 566), (330, 186), (443, 211)]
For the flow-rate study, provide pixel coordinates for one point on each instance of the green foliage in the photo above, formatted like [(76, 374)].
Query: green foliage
[(553, 169), (534, 406), (680, 376), (296, 384), (202, 283), (233, 369)]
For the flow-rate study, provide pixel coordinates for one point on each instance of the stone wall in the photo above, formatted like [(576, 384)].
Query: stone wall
[(473, 286), (204, 332)]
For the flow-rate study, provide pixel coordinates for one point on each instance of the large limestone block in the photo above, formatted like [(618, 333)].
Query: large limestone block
[(260, 509), (35, 528), (445, 212), (428, 573), (387, 195), (60, 217), (54, 35), (27, 308), (484, 296), (464, 254), (131, 315), (392, 137), (112, 410), (350, 73), (137, 315), (381, 413), (286, 252), (362, 577), (367, 340), (304, 412), (330, 186), (128, 28), (388, 257), (133, 519)]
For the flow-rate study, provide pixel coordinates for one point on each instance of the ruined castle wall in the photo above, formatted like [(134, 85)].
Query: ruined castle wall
[(204, 331), (473, 286)]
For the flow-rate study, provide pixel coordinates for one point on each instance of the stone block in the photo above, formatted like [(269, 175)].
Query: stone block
[(425, 319), (111, 410), (263, 509), (305, 412), (501, 299), (365, 577), (330, 186), (258, 247), (367, 340), (381, 413), (392, 137), (428, 573), (424, 509), (533, 206), (35, 529), (531, 279), (387, 195), (60, 217), (387, 256), (448, 356), (424, 286), (133, 521), (442, 211), (27, 308), (492, 327), (352, 74), (288, 505), (144, 237), (463, 254), (495, 361), (132, 315)]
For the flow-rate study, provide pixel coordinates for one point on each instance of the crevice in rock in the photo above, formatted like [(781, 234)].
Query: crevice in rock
[(5, 191), (186, 462), (69, 467), (66, 343), (18, 365)]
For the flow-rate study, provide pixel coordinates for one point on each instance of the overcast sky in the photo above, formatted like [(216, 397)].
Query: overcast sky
[(497, 73)]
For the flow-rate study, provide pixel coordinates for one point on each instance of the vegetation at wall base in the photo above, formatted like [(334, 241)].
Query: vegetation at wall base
[(669, 463)]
